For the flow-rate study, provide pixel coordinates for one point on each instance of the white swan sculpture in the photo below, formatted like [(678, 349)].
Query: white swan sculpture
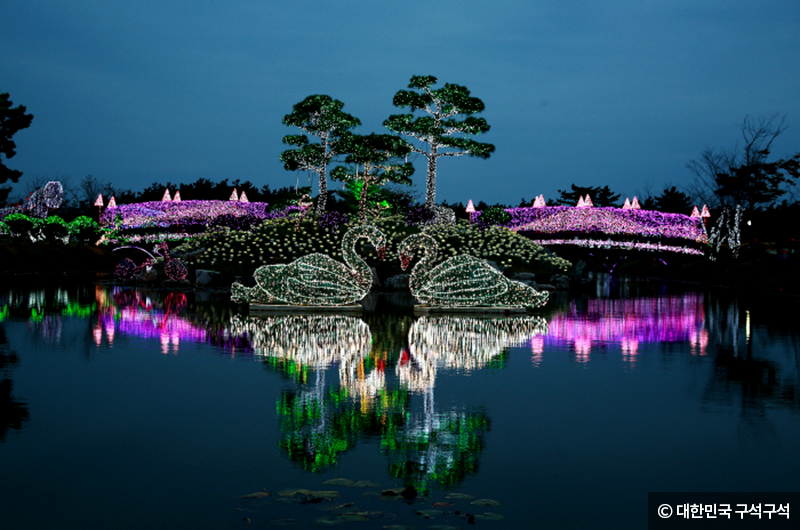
[(316, 279), (461, 281)]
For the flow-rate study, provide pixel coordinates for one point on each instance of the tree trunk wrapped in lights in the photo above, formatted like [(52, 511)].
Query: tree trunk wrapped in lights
[(441, 130)]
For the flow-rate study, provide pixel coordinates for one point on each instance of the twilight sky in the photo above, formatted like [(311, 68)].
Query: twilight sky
[(616, 92)]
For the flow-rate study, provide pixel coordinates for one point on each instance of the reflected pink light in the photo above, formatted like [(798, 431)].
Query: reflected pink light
[(154, 324), (630, 322)]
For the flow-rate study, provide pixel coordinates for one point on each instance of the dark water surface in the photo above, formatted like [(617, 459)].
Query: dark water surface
[(134, 409)]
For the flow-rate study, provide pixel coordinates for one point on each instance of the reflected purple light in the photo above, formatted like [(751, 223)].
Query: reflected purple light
[(126, 313), (627, 223), (629, 323)]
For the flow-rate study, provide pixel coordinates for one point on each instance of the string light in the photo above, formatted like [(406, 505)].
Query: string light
[(461, 281), (316, 279), (630, 220)]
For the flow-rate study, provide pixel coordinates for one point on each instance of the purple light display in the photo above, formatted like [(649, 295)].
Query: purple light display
[(610, 221), (128, 314), (629, 323), (181, 215)]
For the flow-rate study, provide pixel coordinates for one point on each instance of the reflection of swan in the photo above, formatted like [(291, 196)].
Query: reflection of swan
[(316, 279), (462, 343), (314, 340), (462, 280)]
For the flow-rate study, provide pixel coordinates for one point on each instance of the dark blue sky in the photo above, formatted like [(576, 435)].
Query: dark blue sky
[(621, 92)]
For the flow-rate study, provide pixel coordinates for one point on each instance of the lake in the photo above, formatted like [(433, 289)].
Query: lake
[(129, 409)]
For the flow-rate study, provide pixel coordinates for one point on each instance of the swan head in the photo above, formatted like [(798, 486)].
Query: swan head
[(409, 245), (374, 236)]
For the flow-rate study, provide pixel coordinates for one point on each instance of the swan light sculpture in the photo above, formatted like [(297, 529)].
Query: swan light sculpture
[(461, 281), (316, 279)]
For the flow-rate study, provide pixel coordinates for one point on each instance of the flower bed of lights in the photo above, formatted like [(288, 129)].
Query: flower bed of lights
[(276, 241), (649, 228), (171, 220)]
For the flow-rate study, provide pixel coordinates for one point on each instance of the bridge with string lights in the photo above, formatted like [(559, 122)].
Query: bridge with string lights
[(626, 228)]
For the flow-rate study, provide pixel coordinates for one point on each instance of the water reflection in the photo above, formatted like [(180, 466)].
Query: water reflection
[(596, 323), (135, 313), (375, 378), (13, 413), (461, 343)]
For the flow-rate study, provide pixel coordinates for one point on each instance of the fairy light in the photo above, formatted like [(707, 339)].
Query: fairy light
[(166, 218), (630, 220), (461, 281), (460, 343), (316, 279), (630, 323)]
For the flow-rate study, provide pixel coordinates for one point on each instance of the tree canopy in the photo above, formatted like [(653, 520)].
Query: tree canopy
[(320, 116), (445, 127), (12, 120), (600, 195), (743, 175), (379, 155)]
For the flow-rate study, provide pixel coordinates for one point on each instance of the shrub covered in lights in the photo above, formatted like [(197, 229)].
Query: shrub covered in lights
[(174, 220), (54, 228), (276, 241), (611, 227)]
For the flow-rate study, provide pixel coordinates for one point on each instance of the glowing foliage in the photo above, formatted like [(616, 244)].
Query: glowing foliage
[(462, 281), (631, 221), (169, 219)]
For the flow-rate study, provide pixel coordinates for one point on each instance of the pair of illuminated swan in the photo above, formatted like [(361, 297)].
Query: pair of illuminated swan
[(316, 279)]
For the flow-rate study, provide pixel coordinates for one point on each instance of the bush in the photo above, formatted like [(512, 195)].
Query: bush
[(55, 229), (235, 222), (20, 226), (494, 216), (84, 229)]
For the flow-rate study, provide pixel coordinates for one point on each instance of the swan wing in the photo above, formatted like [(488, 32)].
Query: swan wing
[(319, 279), (463, 280)]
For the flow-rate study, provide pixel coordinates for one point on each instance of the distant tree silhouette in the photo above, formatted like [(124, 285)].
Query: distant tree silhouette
[(743, 175), (12, 120), (600, 195), (672, 200)]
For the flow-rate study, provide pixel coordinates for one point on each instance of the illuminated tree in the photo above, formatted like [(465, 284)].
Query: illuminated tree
[(444, 129), (376, 158), (320, 116)]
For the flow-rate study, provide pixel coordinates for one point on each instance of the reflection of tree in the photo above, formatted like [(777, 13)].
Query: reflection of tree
[(318, 428), (321, 422), (752, 381), (444, 447), (439, 447), (13, 414), (318, 423)]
